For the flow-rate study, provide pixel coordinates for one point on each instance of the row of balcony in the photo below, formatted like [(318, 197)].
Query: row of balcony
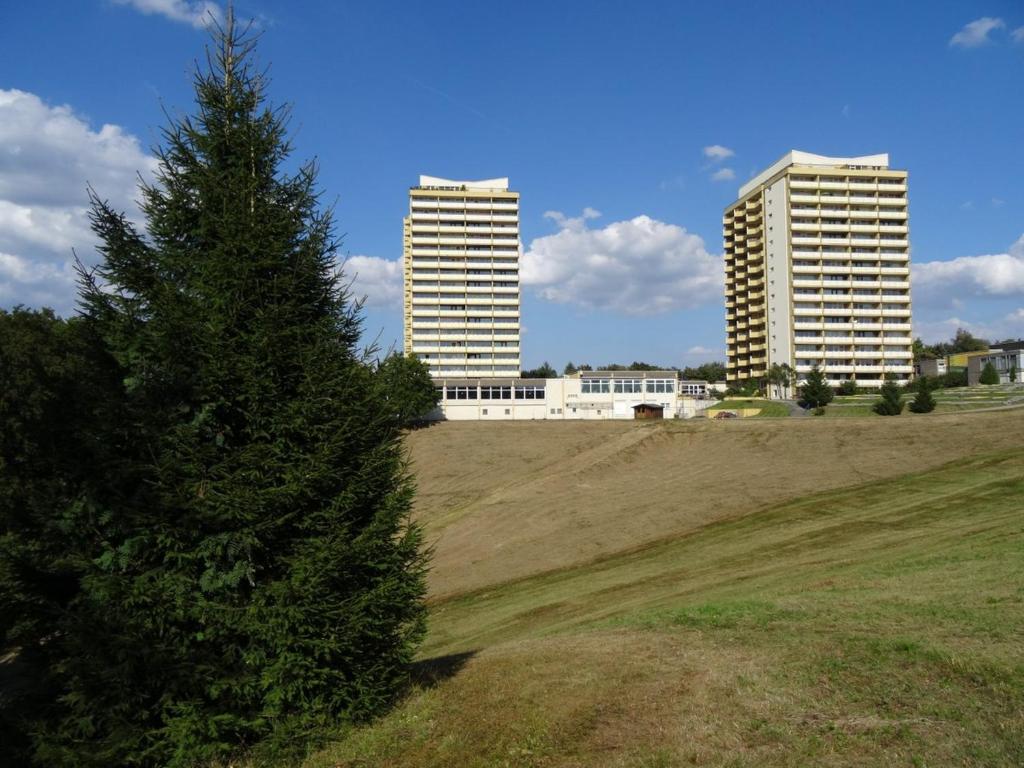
[(839, 199), (424, 218)]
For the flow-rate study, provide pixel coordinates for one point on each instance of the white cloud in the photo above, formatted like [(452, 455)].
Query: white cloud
[(845, 111), (1018, 35), (378, 280), (717, 152), (942, 283), (723, 174), (47, 157), (976, 33), (637, 267), (699, 350), (198, 13), (576, 223)]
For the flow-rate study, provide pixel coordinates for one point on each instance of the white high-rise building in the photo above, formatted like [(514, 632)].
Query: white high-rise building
[(817, 271), (460, 260)]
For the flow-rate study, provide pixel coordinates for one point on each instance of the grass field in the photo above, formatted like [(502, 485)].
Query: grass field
[(796, 592), (954, 400), (767, 407)]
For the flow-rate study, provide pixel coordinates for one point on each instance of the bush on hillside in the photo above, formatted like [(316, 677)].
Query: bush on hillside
[(891, 402), (923, 401), (847, 388)]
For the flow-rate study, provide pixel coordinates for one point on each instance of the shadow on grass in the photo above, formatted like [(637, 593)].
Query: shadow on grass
[(430, 672)]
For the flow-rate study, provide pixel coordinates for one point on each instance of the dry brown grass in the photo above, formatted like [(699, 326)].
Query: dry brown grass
[(507, 500)]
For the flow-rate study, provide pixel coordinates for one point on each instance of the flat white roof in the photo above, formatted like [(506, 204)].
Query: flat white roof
[(437, 181), (796, 157)]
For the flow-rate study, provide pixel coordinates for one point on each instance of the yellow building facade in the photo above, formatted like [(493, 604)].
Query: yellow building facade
[(817, 271), (460, 266)]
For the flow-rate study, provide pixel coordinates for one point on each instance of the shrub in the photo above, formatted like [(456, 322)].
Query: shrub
[(989, 375), (848, 387), (923, 402), (891, 403)]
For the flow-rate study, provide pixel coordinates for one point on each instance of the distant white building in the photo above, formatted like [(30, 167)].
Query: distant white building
[(460, 265), (583, 395)]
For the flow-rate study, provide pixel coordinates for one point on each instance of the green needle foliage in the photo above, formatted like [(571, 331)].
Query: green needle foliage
[(989, 374), (923, 401), (244, 573), (816, 392), (891, 402)]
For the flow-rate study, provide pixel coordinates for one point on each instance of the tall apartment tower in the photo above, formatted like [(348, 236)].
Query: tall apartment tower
[(460, 261), (817, 271)]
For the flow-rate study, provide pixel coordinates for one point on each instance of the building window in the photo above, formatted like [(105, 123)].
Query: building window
[(484, 411), (508, 411), (594, 386), (530, 393)]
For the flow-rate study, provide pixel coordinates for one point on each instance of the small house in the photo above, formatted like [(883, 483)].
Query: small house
[(648, 411)]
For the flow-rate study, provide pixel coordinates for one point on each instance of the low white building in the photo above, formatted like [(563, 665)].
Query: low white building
[(583, 395)]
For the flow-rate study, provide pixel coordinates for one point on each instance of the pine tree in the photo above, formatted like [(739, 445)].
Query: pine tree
[(253, 575), (989, 374), (891, 402), (816, 393), (923, 401)]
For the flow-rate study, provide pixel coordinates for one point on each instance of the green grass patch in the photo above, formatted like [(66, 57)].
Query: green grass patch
[(873, 626), (767, 407)]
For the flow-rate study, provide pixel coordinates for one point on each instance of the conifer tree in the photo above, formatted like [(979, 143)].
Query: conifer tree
[(891, 402), (816, 392), (252, 573), (989, 374), (923, 401)]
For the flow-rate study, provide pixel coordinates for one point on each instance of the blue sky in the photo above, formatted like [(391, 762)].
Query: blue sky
[(646, 116)]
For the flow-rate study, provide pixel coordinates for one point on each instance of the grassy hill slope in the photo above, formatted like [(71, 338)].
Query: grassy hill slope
[(875, 625), (508, 500)]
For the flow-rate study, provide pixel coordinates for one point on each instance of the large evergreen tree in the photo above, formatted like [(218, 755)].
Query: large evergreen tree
[(248, 570)]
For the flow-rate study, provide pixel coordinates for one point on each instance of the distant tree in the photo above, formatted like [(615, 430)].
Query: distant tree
[(1013, 372), (544, 372), (891, 402), (816, 392), (584, 367), (714, 371), (965, 341), (569, 369), (780, 376), (922, 351), (407, 388), (639, 366), (989, 374), (923, 401), (848, 387)]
